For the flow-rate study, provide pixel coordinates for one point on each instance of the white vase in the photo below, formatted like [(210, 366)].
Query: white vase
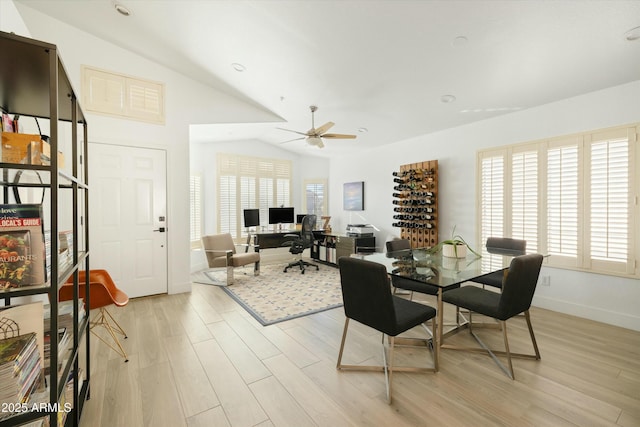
[(454, 251)]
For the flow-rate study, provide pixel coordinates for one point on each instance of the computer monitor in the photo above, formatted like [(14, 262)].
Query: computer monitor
[(281, 216), (251, 217), (299, 218)]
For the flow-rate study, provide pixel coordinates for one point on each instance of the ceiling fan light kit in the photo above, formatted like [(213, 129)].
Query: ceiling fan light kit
[(315, 140), (315, 135)]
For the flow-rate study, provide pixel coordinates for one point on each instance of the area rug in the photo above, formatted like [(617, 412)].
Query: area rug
[(275, 296)]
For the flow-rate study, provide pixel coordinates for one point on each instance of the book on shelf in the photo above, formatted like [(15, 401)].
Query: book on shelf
[(22, 251), (47, 253), (7, 123), (65, 245)]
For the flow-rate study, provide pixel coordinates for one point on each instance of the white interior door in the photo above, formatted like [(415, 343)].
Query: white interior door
[(127, 216)]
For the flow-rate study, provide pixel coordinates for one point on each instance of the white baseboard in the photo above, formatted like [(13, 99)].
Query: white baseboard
[(179, 289), (587, 312)]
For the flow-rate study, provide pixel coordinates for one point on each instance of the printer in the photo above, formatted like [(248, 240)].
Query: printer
[(360, 230)]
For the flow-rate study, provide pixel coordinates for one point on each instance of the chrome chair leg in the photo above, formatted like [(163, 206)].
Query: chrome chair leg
[(506, 347), (533, 337), (344, 337), (389, 367)]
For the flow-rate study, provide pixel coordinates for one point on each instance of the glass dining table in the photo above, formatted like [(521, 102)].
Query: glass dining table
[(440, 273)]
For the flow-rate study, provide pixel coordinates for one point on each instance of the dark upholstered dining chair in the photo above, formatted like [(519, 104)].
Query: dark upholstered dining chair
[(399, 282), (367, 298), (518, 288), (504, 246)]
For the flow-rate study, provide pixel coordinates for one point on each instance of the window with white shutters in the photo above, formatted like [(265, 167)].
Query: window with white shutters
[(572, 198), (249, 183), (314, 198)]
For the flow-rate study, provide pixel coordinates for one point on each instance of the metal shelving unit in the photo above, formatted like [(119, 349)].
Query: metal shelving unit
[(34, 83)]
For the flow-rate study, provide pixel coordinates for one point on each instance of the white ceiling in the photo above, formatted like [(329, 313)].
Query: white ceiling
[(378, 64)]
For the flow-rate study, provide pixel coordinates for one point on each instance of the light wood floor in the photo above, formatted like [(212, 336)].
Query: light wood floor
[(199, 359)]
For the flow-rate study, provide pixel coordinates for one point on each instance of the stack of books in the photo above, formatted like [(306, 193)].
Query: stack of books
[(20, 370)]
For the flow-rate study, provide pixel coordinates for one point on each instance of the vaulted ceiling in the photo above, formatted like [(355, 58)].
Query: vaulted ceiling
[(396, 68)]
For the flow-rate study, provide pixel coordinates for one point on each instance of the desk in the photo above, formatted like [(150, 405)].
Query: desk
[(275, 239), (436, 270)]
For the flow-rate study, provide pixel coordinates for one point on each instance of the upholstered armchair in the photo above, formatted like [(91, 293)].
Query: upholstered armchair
[(221, 252)]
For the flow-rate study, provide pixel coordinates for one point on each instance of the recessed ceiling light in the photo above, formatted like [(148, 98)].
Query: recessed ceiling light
[(633, 34), (122, 10), (447, 98), (363, 130), (459, 41), (238, 67)]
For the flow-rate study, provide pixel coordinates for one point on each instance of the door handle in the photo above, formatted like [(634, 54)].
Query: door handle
[(161, 230)]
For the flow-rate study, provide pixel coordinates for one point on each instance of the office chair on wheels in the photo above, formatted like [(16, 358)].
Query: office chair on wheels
[(301, 242)]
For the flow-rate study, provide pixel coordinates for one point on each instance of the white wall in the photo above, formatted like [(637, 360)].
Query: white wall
[(203, 161), (187, 101), (603, 298), (607, 299)]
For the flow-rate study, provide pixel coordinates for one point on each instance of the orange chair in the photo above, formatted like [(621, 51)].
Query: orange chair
[(103, 292)]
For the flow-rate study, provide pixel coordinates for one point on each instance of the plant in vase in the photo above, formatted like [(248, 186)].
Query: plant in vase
[(455, 247)]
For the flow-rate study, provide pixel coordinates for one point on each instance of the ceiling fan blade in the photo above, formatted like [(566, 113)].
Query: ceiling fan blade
[(291, 140), (338, 136), (325, 127), (294, 131)]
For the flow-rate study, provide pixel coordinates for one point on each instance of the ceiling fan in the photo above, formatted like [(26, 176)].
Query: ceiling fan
[(315, 135)]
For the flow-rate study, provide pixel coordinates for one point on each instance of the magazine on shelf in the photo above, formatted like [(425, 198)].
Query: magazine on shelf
[(22, 253), (29, 318), (20, 369)]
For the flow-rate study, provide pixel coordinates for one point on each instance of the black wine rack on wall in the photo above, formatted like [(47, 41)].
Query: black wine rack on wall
[(415, 203)]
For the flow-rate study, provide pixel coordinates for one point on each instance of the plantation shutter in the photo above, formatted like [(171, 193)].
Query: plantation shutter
[(248, 183), (573, 198), (563, 179), (195, 215), (609, 201), (492, 176), (266, 199), (524, 198)]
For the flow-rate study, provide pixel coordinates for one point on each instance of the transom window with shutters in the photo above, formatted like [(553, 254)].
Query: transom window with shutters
[(250, 183), (573, 198)]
